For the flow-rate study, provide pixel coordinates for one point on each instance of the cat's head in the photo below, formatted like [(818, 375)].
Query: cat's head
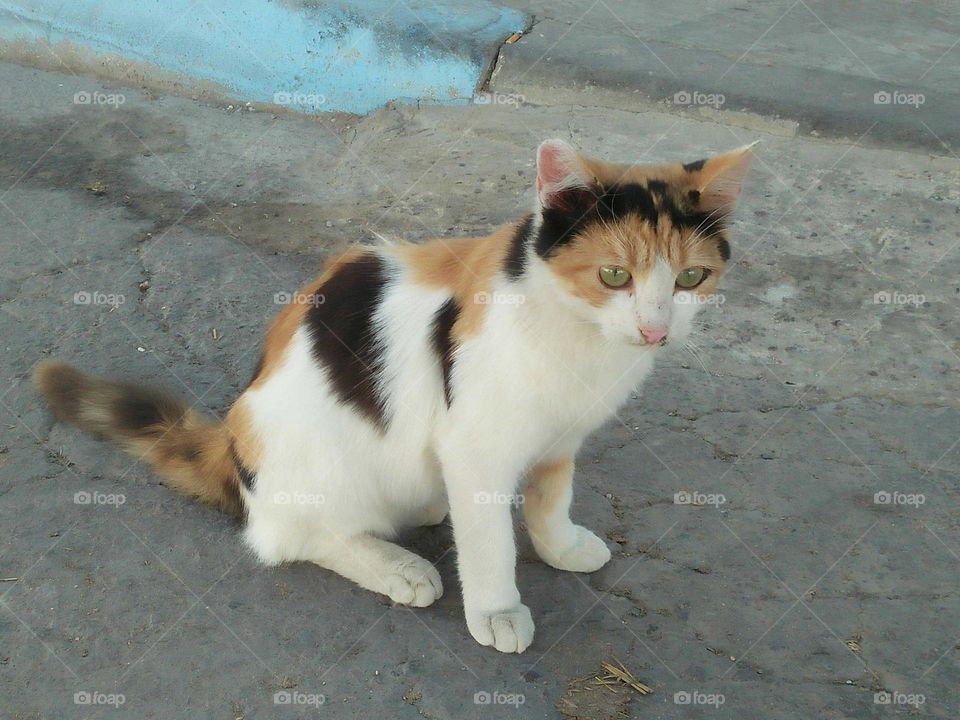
[(637, 249)]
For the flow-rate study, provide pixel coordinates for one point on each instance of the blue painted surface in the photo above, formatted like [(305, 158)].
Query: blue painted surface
[(316, 56)]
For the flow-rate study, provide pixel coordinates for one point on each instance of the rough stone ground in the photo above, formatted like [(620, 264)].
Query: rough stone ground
[(798, 597)]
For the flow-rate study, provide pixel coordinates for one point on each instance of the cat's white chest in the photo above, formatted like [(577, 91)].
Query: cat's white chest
[(592, 392), (555, 389)]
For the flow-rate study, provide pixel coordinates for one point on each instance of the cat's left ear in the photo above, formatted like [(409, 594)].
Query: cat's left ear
[(559, 173), (718, 180)]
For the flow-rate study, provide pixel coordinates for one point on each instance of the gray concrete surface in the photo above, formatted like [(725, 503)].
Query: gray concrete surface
[(815, 63), (800, 596)]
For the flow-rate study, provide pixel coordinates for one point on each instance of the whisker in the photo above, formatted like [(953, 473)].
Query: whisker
[(716, 214), (695, 352)]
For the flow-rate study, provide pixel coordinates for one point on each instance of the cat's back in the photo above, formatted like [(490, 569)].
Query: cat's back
[(378, 331)]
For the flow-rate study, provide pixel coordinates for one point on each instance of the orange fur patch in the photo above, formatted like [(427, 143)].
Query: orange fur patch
[(674, 174), (547, 485), (465, 266), (247, 444)]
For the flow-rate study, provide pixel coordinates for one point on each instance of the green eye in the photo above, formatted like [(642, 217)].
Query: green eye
[(614, 276), (691, 277)]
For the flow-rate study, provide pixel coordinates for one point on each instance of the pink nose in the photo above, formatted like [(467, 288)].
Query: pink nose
[(653, 334)]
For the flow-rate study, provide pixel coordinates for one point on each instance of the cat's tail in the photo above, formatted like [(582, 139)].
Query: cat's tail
[(192, 452)]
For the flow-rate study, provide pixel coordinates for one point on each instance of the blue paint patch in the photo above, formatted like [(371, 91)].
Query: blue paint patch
[(312, 55)]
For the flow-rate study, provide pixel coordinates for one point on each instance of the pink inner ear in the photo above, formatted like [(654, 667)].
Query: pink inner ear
[(553, 162), (558, 170)]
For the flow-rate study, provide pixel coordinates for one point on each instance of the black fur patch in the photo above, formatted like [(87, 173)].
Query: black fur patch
[(694, 166), (685, 217), (619, 201), (442, 338), (573, 210), (724, 247), (138, 408), (189, 450), (657, 187), (344, 337), (246, 476), (682, 214), (563, 223), (516, 259)]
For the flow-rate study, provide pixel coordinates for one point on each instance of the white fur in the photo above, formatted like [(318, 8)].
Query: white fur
[(542, 374)]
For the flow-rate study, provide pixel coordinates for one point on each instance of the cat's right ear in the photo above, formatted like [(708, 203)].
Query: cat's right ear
[(719, 179), (559, 171)]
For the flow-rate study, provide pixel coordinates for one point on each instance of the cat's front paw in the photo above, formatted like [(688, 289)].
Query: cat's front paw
[(508, 630), (585, 553)]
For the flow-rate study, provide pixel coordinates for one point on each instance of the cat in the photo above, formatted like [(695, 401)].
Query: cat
[(456, 376)]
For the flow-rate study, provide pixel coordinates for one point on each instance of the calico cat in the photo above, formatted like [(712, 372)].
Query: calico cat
[(456, 376)]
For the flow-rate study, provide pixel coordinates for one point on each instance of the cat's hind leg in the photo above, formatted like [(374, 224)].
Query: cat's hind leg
[(372, 563), (383, 567)]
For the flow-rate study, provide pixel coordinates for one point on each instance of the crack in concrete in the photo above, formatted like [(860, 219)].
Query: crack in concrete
[(483, 84)]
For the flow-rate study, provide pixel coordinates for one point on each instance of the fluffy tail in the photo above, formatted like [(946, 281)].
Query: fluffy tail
[(190, 451)]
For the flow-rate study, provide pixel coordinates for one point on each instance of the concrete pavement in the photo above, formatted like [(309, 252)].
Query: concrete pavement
[(819, 67)]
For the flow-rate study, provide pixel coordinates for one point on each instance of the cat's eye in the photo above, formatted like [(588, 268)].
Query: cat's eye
[(614, 276), (691, 277)]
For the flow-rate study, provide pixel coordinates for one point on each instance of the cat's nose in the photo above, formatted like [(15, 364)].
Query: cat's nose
[(653, 333)]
